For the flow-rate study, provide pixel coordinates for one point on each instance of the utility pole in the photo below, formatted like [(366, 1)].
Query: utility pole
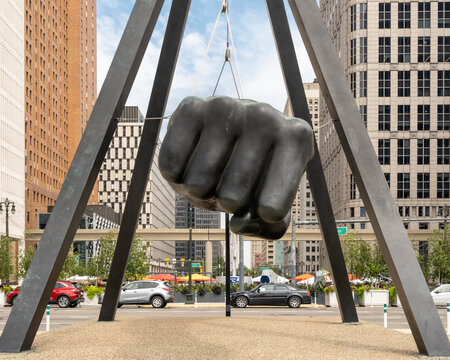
[(241, 263), (7, 203), (445, 213), (293, 253)]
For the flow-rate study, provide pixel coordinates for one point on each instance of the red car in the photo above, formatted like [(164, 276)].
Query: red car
[(65, 294)]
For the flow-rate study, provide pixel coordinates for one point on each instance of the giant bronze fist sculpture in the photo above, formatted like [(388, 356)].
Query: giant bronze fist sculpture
[(238, 156)]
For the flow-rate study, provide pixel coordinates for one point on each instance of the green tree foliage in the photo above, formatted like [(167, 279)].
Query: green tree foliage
[(100, 264), (70, 266), (439, 256), (362, 259), (219, 267), (6, 267), (25, 258), (138, 262)]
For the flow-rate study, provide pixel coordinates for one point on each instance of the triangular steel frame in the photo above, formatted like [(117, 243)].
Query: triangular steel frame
[(26, 315)]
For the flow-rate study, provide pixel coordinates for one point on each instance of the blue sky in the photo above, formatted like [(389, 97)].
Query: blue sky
[(255, 48)]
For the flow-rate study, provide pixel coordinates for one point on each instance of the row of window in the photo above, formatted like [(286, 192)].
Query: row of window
[(404, 117), (403, 83), (404, 15), (423, 151)]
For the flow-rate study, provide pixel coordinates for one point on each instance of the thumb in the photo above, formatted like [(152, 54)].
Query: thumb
[(251, 225)]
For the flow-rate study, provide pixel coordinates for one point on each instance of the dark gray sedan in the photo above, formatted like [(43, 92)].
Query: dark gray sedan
[(271, 294)]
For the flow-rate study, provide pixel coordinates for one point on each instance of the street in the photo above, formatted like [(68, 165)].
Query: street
[(66, 317)]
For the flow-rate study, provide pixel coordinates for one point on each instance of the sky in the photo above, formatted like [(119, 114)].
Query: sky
[(257, 57)]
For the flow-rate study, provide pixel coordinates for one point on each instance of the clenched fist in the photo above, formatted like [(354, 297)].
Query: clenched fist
[(238, 156)]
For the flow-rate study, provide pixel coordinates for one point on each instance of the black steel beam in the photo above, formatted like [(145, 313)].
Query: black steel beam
[(395, 245), (26, 315), (316, 177), (227, 266), (158, 100)]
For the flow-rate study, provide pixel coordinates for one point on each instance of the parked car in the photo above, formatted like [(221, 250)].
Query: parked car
[(441, 294), (271, 294), (155, 293), (65, 294)]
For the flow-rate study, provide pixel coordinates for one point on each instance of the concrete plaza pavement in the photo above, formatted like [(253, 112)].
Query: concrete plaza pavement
[(252, 333)]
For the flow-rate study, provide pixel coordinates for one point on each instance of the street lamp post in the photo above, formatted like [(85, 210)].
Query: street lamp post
[(7, 203), (444, 211)]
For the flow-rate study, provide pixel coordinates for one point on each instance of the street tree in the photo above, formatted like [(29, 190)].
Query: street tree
[(138, 262), (100, 264), (439, 256), (6, 267), (25, 258)]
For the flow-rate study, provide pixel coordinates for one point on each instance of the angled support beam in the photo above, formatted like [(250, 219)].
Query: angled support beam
[(395, 245), (316, 177), (158, 100), (26, 315)]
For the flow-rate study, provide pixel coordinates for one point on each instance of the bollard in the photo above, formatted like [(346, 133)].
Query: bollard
[(385, 315), (195, 299), (448, 318), (47, 323), (315, 298), (371, 299)]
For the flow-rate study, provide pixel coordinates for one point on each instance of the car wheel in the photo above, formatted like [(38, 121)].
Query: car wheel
[(13, 300), (294, 302), (157, 301), (63, 301), (119, 305), (241, 302)]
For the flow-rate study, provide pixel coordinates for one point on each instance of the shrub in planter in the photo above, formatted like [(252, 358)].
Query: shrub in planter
[(93, 290), (6, 289), (360, 291), (216, 289), (185, 290), (392, 294), (328, 289), (201, 291)]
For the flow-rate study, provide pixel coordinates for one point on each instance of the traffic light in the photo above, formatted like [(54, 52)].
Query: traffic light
[(182, 262), (167, 261)]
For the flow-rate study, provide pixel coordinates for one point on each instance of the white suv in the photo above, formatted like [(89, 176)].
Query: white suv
[(155, 293), (441, 295)]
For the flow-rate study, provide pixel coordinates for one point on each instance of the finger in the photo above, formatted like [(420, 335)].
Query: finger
[(181, 139), (241, 177), (217, 141), (291, 154), (252, 225)]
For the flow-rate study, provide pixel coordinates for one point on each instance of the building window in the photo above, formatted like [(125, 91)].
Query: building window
[(384, 151), (353, 18), (387, 176), (423, 49), (404, 49), (444, 83), (353, 84), (424, 15), (443, 48), (443, 117), (363, 16), (352, 212), (404, 15), (443, 185), (403, 119), (423, 226), (384, 83), (384, 50), (384, 15), (362, 211), (444, 14), (423, 117), (423, 211), (353, 52), (423, 151), (403, 151), (384, 117), (362, 83), (404, 83), (363, 112), (423, 185), (352, 188), (403, 210), (403, 183), (363, 50), (423, 83), (443, 151)]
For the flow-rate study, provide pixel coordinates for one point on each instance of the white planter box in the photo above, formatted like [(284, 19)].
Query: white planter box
[(2, 298), (331, 299), (375, 298), (90, 301)]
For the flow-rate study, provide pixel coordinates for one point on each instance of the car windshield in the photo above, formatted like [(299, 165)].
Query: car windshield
[(75, 285), (167, 284)]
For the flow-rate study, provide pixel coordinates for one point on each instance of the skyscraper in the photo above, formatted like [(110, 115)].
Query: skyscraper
[(397, 59), (60, 90)]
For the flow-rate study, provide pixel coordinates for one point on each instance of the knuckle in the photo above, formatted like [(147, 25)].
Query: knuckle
[(271, 213), (231, 203)]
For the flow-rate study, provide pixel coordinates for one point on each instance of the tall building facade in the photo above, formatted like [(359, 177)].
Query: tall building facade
[(12, 148), (158, 207), (188, 216), (60, 90), (396, 55)]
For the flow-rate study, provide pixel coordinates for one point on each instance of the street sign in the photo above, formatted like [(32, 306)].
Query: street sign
[(195, 264), (265, 268), (234, 279), (342, 230)]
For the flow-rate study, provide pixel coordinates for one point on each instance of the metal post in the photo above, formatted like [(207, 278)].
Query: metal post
[(448, 318), (47, 323), (7, 204), (241, 263), (293, 253), (227, 266), (394, 242), (190, 248), (385, 315)]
